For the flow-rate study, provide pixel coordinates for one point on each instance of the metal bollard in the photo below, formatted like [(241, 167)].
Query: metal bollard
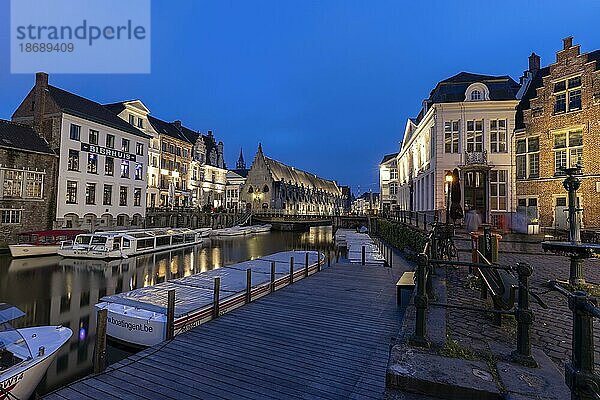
[(524, 318), (100, 349), (420, 336), (291, 270), (579, 373), (363, 256)]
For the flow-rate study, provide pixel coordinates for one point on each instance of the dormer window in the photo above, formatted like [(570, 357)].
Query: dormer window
[(477, 92)]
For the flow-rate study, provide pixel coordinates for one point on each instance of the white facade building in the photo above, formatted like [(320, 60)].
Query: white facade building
[(101, 180), (466, 123), (388, 182)]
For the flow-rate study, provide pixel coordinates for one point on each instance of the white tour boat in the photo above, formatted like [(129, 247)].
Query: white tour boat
[(124, 244), (41, 243), (240, 230), (138, 318), (26, 353)]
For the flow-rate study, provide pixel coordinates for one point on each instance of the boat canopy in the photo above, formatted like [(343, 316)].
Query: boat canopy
[(9, 312)]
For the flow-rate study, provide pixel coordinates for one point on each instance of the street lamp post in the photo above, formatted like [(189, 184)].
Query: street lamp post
[(449, 179)]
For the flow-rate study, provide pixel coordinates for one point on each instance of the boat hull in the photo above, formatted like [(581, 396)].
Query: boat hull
[(29, 250), (21, 380), (106, 255)]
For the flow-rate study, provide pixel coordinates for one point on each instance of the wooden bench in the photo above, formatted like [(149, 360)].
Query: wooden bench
[(406, 282), (502, 286)]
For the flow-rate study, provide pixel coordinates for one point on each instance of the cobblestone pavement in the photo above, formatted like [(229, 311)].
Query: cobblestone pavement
[(552, 329)]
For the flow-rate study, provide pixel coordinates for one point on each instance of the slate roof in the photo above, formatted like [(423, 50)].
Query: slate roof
[(280, 171), (388, 157), (241, 172), (452, 90), (22, 137), (78, 106), (367, 196), (167, 128)]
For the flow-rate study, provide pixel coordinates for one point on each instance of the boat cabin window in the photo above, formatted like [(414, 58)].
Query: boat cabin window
[(99, 240), (13, 348), (83, 239), (145, 244), (190, 237), (116, 245), (125, 243), (177, 239), (163, 241)]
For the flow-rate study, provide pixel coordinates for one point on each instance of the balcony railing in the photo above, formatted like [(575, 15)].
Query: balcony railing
[(476, 157)]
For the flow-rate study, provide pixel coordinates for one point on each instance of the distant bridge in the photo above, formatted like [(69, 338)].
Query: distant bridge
[(295, 222)]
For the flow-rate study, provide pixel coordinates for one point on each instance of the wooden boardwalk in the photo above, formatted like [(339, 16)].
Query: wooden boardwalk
[(325, 337)]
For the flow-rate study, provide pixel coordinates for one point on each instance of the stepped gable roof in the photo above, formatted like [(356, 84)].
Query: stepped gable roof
[(531, 93), (22, 137), (282, 172), (388, 157), (167, 128), (78, 106), (452, 90)]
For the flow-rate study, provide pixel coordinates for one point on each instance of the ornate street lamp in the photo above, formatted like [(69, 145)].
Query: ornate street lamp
[(449, 179)]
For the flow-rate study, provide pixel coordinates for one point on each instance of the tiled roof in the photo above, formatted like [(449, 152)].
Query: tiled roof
[(388, 157), (90, 110), (22, 137), (282, 172)]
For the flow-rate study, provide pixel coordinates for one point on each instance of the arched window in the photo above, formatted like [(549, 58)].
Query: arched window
[(250, 190), (265, 189), (475, 95)]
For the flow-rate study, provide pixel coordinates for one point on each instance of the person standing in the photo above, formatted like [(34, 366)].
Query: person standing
[(473, 220)]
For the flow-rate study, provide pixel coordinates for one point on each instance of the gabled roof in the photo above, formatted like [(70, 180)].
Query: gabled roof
[(167, 128), (367, 196), (78, 106), (537, 82), (282, 172), (388, 157), (22, 137)]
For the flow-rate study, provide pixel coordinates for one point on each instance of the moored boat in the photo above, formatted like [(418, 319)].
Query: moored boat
[(260, 228), (138, 318), (124, 244), (25, 353), (41, 243)]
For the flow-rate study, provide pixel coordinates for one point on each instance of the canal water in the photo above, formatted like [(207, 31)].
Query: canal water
[(56, 290)]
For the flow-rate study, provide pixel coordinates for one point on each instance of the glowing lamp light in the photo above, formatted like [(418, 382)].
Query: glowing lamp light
[(449, 177), (82, 334)]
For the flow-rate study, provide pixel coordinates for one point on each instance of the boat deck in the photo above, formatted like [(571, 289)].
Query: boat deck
[(326, 337)]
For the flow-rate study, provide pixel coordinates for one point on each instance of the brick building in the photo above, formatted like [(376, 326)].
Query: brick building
[(27, 178), (558, 124)]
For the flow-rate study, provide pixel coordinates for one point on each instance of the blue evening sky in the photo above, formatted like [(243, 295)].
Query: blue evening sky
[(325, 85)]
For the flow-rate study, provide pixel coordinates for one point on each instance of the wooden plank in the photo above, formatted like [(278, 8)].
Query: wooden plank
[(323, 337)]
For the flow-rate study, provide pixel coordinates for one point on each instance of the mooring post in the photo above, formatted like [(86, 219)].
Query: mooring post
[(363, 255), (524, 317), (216, 295), (306, 264), (100, 349), (328, 259), (421, 302), (248, 285), (391, 255), (272, 276), (579, 373), (170, 314), (291, 270)]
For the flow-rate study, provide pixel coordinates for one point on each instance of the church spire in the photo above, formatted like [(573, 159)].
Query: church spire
[(241, 164)]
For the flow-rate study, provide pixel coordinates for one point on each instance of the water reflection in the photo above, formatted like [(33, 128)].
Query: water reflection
[(55, 290)]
